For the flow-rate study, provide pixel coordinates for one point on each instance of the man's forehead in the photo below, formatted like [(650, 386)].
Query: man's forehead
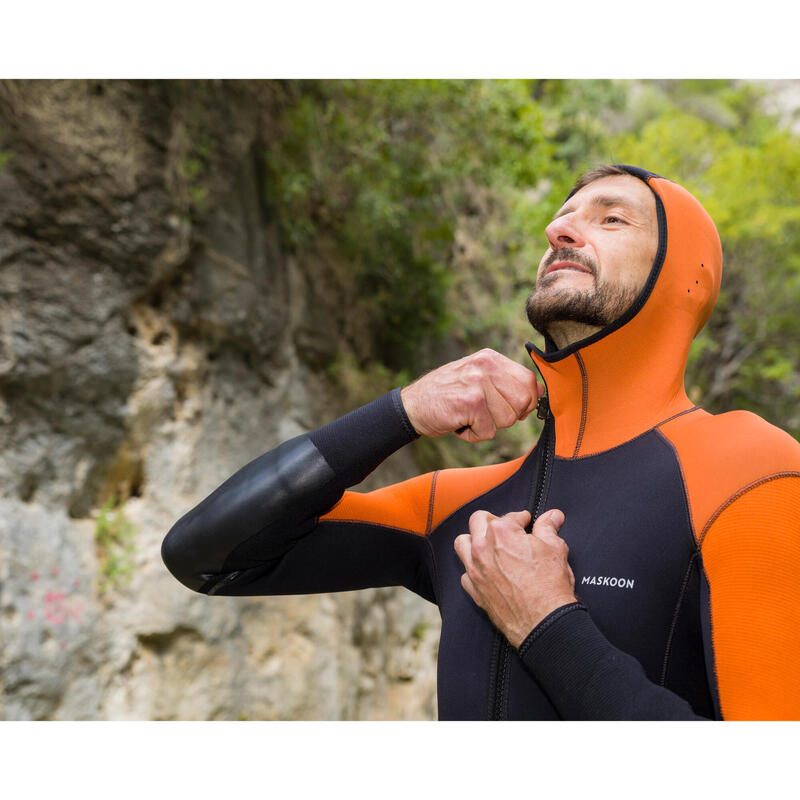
[(621, 190)]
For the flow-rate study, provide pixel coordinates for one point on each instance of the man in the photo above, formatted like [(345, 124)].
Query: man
[(660, 579)]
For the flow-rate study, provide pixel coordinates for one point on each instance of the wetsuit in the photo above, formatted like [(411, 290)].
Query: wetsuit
[(683, 527)]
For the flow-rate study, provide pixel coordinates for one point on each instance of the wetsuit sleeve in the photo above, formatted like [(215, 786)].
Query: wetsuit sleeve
[(751, 556), (587, 678), (260, 531)]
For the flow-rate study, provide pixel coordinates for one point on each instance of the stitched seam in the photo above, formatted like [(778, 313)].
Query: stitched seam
[(675, 416), (430, 503), (552, 617), (681, 595), (584, 403), (437, 577), (490, 489), (716, 698), (684, 486), (738, 494), (628, 441)]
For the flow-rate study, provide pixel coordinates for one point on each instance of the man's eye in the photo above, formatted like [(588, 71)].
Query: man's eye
[(613, 219)]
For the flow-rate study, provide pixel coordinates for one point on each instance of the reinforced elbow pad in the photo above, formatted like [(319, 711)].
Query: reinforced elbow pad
[(254, 517)]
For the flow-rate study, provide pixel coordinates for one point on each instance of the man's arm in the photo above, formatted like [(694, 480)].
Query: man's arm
[(751, 558), (256, 516), (525, 585), (265, 530)]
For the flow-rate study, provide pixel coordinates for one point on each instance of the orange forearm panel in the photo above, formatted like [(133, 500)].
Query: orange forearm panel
[(751, 556)]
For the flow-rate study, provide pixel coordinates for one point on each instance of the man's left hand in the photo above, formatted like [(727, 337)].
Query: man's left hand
[(516, 577)]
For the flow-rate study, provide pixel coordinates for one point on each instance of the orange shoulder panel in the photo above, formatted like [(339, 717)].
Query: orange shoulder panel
[(418, 505), (456, 487), (405, 505), (751, 556), (721, 455)]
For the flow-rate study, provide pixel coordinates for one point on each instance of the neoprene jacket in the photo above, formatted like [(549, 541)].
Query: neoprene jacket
[(683, 527)]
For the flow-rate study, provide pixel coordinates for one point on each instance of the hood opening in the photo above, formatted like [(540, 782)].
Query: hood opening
[(551, 352)]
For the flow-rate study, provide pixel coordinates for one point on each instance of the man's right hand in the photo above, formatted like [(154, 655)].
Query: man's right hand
[(481, 393)]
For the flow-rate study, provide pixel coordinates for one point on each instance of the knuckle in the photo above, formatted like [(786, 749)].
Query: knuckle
[(472, 373), (509, 418), (476, 517)]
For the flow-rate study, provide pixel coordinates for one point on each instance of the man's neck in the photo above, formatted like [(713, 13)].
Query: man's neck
[(566, 332)]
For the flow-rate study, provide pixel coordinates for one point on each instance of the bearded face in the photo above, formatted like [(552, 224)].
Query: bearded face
[(554, 299)]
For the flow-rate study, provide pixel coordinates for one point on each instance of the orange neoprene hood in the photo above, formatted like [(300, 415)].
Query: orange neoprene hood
[(624, 379)]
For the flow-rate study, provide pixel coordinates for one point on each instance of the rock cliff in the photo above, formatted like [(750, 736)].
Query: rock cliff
[(154, 337)]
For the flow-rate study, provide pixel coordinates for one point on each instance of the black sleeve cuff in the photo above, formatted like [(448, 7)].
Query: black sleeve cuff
[(587, 678), (356, 443)]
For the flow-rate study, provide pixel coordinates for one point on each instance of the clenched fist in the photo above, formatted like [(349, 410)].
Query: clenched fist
[(479, 393)]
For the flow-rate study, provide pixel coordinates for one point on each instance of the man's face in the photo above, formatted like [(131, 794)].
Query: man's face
[(603, 243)]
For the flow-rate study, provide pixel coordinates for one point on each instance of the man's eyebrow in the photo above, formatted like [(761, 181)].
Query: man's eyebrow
[(606, 200)]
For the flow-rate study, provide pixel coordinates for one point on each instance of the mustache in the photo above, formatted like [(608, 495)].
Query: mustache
[(570, 254)]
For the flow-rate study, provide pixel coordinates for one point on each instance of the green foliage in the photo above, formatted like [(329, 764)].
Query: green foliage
[(385, 168), (711, 137), (114, 539), (435, 195)]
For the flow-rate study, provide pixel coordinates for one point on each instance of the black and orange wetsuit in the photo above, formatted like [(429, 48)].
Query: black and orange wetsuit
[(683, 527)]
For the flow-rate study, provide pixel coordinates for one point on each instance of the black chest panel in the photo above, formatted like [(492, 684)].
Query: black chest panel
[(634, 559)]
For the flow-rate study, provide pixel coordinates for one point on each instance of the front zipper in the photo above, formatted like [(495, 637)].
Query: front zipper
[(501, 651)]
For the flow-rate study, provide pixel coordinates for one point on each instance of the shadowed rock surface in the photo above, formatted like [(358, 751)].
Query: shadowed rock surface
[(154, 337)]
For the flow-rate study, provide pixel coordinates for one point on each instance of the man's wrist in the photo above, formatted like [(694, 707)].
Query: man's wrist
[(400, 405), (407, 404), (556, 610)]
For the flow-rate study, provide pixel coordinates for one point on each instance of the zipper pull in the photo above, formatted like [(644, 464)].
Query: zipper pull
[(543, 407)]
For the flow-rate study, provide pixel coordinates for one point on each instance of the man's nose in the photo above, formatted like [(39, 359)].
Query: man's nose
[(562, 232)]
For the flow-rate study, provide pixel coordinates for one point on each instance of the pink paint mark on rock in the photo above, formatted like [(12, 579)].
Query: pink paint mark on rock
[(63, 645), (31, 615), (34, 576), (54, 571), (76, 583)]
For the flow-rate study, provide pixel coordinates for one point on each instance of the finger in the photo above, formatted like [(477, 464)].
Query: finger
[(517, 383), (478, 520), (469, 588), (482, 423), (463, 546), (519, 387), (547, 525), (512, 523), (504, 414)]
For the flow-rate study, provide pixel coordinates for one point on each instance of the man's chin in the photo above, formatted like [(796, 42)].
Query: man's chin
[(546, 308)]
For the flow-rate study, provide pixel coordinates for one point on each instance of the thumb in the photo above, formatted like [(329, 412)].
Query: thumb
[(548, 523)]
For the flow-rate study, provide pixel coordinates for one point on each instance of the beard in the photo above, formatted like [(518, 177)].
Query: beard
[(599, 305)]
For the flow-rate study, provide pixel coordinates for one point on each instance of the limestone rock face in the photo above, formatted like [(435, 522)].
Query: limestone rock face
[(153, 339)]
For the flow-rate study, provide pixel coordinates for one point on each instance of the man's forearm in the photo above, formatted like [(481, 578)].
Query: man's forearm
[(587, 678), (276, 498)]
